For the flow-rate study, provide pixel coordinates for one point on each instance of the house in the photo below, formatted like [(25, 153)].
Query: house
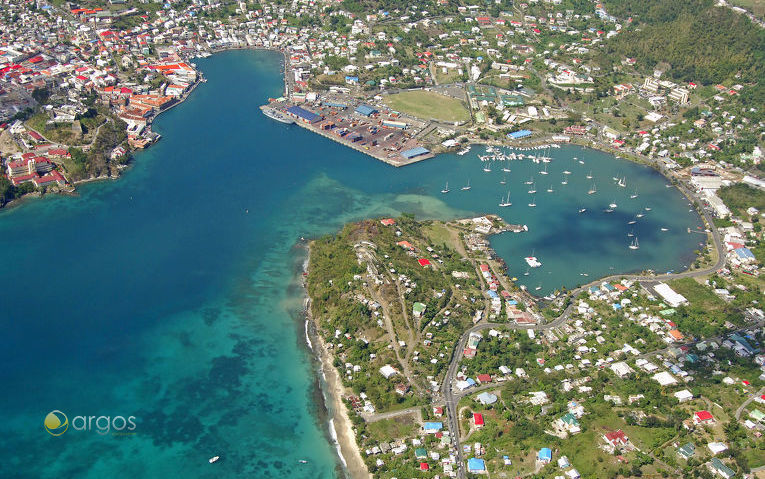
[(719, 468), (703, 417), (621, 369), (486, 398), (616, 439), (569, 423), (420, 453), (424, 466), (483, 378), (717, 447), (545, 455), (664, 378), (478, 420), (687, 451), (402, 389), (683, 396), (476, 466), (432, 427), (424, 262), (418, 309), (388, 371), (388, 221), (438, 411)]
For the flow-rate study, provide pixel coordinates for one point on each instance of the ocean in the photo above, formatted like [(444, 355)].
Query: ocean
[(172, 295)]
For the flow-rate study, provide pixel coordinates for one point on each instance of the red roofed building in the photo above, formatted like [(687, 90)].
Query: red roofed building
[(484, 378), (469, 353), (438, 411), (617, 438), (424, 262), (703, 417), (478, 419), (424, 466), (388, 222), (405, 245)]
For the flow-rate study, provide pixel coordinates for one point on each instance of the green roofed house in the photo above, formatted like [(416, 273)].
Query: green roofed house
[(418, 309), (667, 312), (757, 415), (569, 423), (420, 453), (687, 451), (721, 469)]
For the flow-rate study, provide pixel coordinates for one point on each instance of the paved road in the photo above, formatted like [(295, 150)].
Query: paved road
[(746, 403)]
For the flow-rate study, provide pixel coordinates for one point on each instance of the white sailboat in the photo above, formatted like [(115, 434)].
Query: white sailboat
[(550, 189), (544, 172), (532, 189), (533, 203), (582, 210), (487, 168), (634, 244), (622, 182), (504, 180), (634, 195), (589, 175), (529, 182), (505, 202), (565, 181), (467, 187), (446, 188), (506, 169), (593, 189)]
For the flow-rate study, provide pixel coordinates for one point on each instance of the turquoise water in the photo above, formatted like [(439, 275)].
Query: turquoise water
[(171, 294)]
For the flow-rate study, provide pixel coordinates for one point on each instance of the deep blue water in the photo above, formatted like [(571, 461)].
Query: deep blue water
[(171, 294)]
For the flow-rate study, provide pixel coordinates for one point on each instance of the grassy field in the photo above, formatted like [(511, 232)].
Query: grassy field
[(427, 104), (740, 196), (396, 428)]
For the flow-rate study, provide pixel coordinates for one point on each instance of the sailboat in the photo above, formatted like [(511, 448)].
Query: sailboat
[(538, 288), (504, 180), (622, 182), (527, 271), (505, 202), (544, 172), (647, 208), (487, 168), (631, 233), (589, 176), (446, 188), (582, 210), (566, 172), (466, 187), (529, 182), (533, 189), (533, 203), (634, 244), (639, 215), (506, 169), (550, 189), (593, 189), (634, 195), (612, 205), (632, 222), (565, 181)]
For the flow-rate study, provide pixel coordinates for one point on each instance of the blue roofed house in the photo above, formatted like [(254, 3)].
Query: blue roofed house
[(487, 398), (432, 427), (476, 466), (545, 455)]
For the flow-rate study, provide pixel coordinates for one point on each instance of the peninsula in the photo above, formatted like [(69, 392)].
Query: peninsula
[(449, 369)]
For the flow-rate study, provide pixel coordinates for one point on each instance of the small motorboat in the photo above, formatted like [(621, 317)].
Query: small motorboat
[(213, 459), (303, 461)]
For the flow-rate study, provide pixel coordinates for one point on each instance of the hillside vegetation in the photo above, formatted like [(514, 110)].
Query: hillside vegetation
[(701, 43)]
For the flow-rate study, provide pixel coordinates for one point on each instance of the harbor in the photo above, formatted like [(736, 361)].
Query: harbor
[(379, 133)]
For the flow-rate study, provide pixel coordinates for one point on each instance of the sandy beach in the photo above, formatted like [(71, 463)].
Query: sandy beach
[(348, 449)]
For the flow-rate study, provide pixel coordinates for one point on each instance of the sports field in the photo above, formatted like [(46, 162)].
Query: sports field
[(428, 105)]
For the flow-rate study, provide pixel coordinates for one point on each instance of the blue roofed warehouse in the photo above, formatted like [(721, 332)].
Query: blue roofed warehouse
[(303, 115), (414, 152), (365, 110)]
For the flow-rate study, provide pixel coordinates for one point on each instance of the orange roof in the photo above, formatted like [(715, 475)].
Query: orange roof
[(676, 335)]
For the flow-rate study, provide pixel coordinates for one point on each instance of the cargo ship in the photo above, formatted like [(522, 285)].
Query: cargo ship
[(277, 115)]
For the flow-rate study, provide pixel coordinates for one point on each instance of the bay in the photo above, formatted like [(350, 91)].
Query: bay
[(172, 294)]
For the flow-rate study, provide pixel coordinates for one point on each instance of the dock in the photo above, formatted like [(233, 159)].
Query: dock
[(380, 135)]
